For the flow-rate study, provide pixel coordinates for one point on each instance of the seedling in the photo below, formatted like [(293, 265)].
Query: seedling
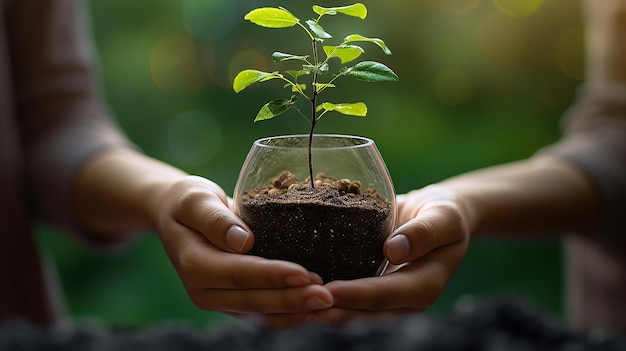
[(315, 69)]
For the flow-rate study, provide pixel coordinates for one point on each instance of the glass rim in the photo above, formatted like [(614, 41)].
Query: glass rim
[(362, 141)]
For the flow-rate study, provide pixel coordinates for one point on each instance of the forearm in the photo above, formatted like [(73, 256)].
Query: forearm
[(117, 192), (606, 30), (538, 196)]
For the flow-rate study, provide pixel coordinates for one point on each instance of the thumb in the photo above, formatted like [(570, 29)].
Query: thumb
[(205, 209), (434, 226)]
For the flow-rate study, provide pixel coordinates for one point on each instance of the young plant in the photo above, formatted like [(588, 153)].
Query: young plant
[(314, 67)]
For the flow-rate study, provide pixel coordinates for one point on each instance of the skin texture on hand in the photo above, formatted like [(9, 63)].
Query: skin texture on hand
[(121, 192), (424, 252)]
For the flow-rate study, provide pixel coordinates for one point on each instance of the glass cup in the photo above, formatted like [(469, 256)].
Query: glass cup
[(335, 228)]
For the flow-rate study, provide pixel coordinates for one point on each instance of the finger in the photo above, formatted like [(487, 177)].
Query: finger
[(401, 200), (264, 301), (436, 225), (414, 285), (202, 265), (316, 278), (204, 207), (409, 205)]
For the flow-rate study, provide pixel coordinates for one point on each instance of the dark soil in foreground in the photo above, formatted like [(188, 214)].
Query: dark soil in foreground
[(486, 326), (334, 229)]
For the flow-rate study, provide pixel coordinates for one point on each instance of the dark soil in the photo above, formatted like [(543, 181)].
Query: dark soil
[(487, 326), (334, 229)]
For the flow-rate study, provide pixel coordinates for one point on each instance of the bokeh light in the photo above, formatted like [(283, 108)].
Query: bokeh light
[(247, 59), (192, 138), (174, 64), (518, 8), (216, 70)]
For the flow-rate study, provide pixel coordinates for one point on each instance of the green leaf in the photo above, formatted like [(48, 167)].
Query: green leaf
[(297, 74), (294, 87), (356, 10), (275, 108), (319, 86), (317, 69), (379, 42), (248, 77), (281, 56), (371, 71), (272, 17), (318, 30), (345, 53), (358, 109)]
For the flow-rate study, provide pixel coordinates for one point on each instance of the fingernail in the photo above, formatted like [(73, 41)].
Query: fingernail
[(317, 303), (315, 278), (398, 248), (236, 238)]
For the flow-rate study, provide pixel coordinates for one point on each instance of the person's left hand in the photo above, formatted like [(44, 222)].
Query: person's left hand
[(424, 253)]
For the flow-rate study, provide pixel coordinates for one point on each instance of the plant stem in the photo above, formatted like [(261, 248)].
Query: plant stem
[(313, 114), (313, 121)]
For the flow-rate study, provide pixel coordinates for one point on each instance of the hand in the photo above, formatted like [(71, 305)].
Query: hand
[(205, 241), (424, 252)]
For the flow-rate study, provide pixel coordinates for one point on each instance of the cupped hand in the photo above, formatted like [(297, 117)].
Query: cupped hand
[(207, 242), (424, 253)]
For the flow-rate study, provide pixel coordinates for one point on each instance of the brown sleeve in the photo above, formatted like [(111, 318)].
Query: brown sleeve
[(595, 140), (61, 118), (595, 127)]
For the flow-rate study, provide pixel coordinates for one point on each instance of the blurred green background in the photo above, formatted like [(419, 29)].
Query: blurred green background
[(481, 82)]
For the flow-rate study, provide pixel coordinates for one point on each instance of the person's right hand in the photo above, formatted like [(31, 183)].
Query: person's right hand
[(206, 242)]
